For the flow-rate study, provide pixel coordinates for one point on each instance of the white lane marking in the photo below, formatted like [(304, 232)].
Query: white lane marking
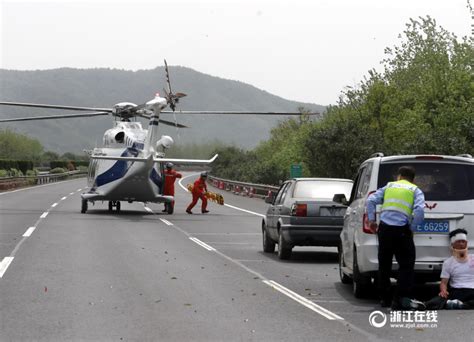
[(227, 205), (202, 244), (255, 234), (245, 210), (79, 189), (4, 265), (44, 215), (63, 198), (148, 209), (71, 193), (303, 301), (53, 205), (29, 231), (166, 222)]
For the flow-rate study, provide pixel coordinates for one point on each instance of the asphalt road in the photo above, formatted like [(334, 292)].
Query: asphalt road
[(142, 275)]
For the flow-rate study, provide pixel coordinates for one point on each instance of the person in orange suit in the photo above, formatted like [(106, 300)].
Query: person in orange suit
[(199, 189), (170, 176)]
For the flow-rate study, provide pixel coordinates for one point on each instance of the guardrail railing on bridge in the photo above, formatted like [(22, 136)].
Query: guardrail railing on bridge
[(7, 183), (244, 189)]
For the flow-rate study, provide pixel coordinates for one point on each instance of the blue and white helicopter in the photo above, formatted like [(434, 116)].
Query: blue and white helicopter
[(130, 164)]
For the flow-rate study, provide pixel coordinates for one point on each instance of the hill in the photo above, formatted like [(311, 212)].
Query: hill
[(105, 87)]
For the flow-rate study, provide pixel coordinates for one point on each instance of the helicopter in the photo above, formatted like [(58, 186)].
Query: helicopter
[(130, 164)]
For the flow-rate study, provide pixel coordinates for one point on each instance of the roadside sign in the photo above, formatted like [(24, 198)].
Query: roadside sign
[(296, 170)]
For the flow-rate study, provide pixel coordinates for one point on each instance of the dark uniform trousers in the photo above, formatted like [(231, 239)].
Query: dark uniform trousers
[(398, 241)]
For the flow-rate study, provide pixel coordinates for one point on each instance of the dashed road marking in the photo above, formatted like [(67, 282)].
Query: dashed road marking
[(63, 198), (53, 205), (202, 244), (303, 301), (29, 231), (166, 222), (4, 265), (44, 214)]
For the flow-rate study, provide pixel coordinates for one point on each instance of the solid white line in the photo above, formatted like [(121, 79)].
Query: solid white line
[(227, 205), (62, 199), (53, 205), (4, 265), (303, 301), (32, 187), (148, 209), (202, 244), (245, 210), (44, 214), (166, 222), (29, 231)]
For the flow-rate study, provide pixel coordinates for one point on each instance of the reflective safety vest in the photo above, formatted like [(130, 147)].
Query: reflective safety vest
[(399, 196)]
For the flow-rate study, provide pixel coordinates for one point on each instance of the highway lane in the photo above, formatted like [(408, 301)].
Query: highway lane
[(102, 276)]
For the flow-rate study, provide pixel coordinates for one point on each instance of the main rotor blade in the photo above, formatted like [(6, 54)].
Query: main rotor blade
[(38, 105), (169, 123), (235, 112), (164, 122), (48, 117)]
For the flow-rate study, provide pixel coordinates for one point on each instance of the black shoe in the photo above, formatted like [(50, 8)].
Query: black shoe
[(189, 211), (164, 210), (205, 211), (406, 303)]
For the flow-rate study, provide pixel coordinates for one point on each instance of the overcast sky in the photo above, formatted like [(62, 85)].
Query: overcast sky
[(304, 50)]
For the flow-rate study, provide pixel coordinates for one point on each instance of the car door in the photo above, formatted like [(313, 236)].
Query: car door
[(274, 211), (353, 219)]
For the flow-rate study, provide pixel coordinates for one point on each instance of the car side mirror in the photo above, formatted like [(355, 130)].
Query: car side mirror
[(340, 198)]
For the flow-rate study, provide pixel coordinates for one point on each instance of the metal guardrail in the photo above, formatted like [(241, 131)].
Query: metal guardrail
[(244, 189), (7, 183)]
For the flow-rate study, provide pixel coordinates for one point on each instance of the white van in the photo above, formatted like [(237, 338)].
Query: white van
[(448, 185)]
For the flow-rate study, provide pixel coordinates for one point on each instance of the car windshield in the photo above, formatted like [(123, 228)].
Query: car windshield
[(321, 189), (439, 181)]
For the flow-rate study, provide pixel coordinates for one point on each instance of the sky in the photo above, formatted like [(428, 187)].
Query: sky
[(302, 50)]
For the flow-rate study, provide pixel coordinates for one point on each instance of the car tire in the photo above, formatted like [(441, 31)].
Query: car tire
[(284, 249), (268, 243), (345, 279), (83, 206), (360, 283)]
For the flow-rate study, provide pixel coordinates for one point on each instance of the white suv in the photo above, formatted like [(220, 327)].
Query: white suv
[(448, 185)]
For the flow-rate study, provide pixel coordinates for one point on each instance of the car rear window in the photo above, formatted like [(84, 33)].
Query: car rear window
[(438, 181), (321, 189)]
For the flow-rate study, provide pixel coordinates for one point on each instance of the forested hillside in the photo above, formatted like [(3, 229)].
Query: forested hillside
[(106, 87), (422, 103)]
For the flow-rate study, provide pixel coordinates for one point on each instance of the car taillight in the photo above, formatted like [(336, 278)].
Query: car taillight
[(365, 225), (299, 210)]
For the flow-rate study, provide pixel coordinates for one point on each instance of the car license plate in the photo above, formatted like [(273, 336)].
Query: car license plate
[(329, 211), (433, 227)]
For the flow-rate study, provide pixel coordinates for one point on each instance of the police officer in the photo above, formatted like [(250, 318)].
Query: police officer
[(403, 206)]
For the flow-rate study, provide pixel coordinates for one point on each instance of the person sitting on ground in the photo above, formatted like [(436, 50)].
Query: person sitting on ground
[(457, 276)]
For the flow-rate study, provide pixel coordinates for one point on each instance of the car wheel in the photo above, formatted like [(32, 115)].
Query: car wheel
[(284, 249), (268, 243), (360, 283), (345, 279)]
